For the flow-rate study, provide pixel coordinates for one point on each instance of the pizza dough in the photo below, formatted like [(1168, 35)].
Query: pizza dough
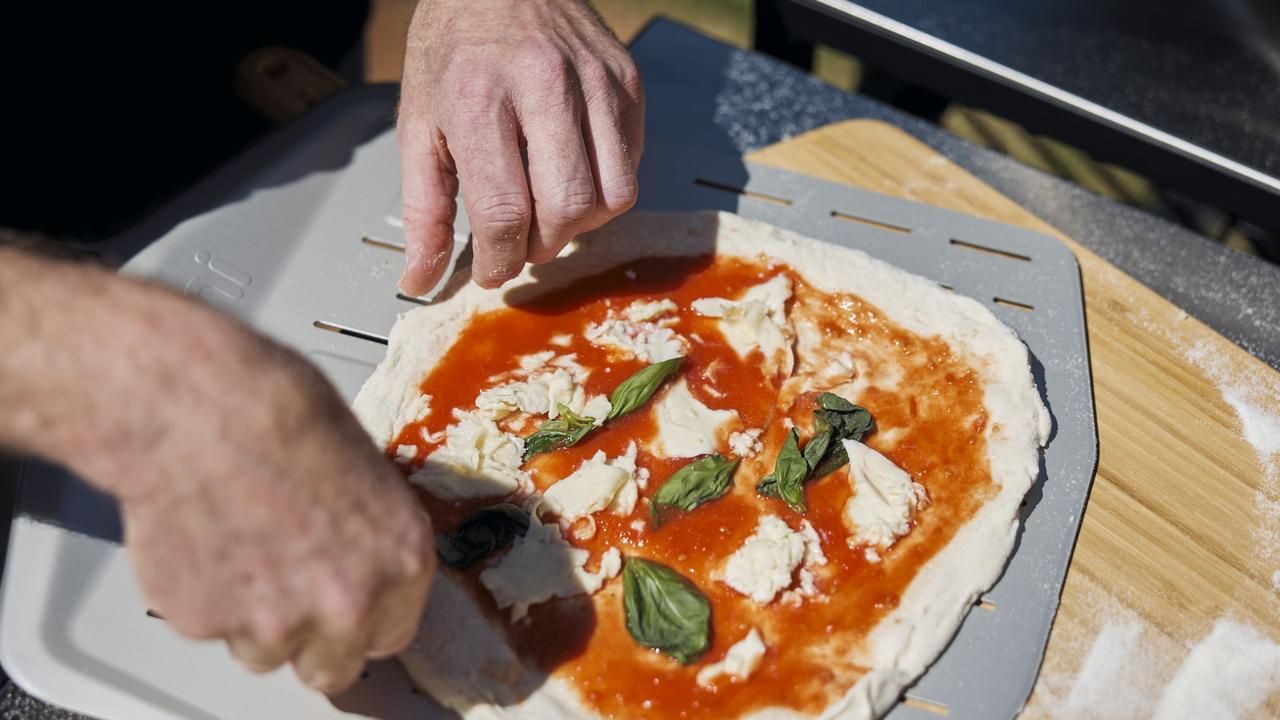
[(461, 655)]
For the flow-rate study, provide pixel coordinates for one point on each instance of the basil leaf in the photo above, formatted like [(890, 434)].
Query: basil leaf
[(637, 389), (698, 482), (817, 447), (481, 534), (850, 424), (665, 611), (831, 401), (836, 419), (790, 470), (567, 429)]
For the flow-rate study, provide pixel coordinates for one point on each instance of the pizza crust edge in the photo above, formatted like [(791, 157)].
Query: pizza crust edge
[(463, 661)]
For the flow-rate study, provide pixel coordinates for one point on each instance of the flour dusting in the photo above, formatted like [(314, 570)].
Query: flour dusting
[(1249, 397), (1254, 400), (1107, 685), (1126, 663), (1229, 674), (1133, 672)]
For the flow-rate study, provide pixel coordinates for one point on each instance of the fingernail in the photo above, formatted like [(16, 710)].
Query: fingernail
[(409, 283), (422, 271)]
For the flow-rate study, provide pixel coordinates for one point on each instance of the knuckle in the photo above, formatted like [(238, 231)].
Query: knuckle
[(429, 225), (627, 75), (501, 271), (424, 214), (271, 628), (572, 202), (621, 192), (547, 61), (473, 86), (346, 609), (335, 680), (503, 214)]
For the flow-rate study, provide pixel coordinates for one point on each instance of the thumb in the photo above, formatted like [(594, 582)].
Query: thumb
[(429, 189)]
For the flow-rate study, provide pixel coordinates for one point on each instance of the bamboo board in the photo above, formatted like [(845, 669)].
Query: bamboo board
[(1177, 532)]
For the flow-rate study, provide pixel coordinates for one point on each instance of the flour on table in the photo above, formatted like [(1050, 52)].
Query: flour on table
[(1228, 674), (1131, 671), (1254, 400)]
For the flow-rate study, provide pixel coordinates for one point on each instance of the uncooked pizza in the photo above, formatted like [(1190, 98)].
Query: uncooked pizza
[(703, 467)]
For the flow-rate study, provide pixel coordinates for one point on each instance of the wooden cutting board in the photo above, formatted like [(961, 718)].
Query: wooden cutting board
[(1176, 533)]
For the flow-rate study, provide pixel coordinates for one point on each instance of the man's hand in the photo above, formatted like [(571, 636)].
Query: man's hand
[(485, 80), (256, 509), (266, 517)]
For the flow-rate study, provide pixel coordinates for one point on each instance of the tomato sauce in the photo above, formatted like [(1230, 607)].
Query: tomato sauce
[(934, 410)]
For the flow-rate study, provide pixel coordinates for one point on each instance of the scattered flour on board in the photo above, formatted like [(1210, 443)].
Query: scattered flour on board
[(1254, 403), (1122, 670), (1127, 675), (1227, 675)]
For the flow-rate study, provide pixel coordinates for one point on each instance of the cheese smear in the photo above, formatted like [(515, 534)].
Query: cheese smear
[(763, 566), (477, 460), (541, 566), (739, 661), (597, 484), (758, 319), (686, 427), (884, 497)]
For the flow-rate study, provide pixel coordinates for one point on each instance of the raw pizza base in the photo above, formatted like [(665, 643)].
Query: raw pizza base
[(462, 659)]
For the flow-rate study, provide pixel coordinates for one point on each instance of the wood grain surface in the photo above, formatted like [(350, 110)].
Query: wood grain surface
[(1180, 530)]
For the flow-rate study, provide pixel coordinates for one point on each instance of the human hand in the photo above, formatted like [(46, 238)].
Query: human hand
[(256, 510), (485, 80)]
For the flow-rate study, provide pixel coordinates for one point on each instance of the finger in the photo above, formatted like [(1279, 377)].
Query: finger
[(327, 664), (397, 616), (614, 114), (631, 94), (429, 187), (269, 639), (257, 656), (560, 176), (485, 143)]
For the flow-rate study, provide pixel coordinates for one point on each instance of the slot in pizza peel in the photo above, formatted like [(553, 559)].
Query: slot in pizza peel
[(299, 237)]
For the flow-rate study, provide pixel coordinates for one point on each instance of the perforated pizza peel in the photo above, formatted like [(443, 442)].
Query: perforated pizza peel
[(300, 237)]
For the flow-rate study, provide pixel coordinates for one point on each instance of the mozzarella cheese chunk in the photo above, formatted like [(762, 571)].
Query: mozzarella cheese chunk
[(541, 394), (596, 407), (529, 363), (813, 554), (745, 443), (741, 659), (406, 453), (884, 496), (413, 410), (758, 319), (763, 566), (541, 566), (642, 311), (546, 361), (477, 460), (686, 427), (597, 484), (647, 341)]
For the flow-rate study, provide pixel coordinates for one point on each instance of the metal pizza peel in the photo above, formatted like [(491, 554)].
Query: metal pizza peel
[(301, 238)]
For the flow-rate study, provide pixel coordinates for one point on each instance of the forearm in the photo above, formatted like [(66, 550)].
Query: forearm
[(90, 364)]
